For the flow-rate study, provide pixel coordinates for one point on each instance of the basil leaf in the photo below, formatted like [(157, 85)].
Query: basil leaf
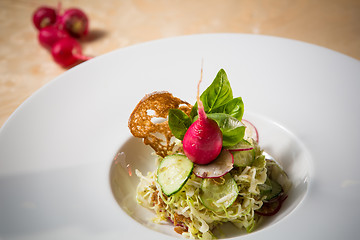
[(232, 129), (179, 122), (194, 112), (232, 137), (220, 106), (225, 121), (218, 93), (234, 108)]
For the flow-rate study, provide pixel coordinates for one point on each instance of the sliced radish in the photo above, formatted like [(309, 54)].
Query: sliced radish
[(271, 208), (217, 168), (250, 131), (241, 146)]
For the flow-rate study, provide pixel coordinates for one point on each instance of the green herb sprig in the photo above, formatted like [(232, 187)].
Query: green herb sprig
[(219, 105)]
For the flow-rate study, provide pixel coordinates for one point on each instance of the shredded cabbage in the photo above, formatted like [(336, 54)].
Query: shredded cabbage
[(186, 210)]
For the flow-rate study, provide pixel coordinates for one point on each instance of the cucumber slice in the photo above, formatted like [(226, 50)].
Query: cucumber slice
[(244, 158), (275, 191), (276, 173), (265, 188), (270, 189), (173, 172), (218, 193)]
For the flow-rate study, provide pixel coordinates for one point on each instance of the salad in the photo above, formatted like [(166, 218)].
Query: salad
[(210, 168)]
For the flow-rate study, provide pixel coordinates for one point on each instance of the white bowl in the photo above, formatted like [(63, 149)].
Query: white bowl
[(57, 148), (276, 141)]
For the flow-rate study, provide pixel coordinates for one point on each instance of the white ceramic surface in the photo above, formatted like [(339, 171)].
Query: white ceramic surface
[(281, 144), (57, 148)]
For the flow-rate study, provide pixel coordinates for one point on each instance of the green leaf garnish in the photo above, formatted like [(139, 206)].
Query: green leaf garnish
[(218, 93), (220, 106), (234, 108), (179, 122), (232, 129)]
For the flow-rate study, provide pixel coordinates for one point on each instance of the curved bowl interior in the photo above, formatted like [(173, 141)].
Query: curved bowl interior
[(277, 141)]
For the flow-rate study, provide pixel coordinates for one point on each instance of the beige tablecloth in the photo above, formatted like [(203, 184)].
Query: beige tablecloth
[(25, 66)]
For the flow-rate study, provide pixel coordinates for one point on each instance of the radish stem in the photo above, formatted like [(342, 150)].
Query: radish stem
[(202, 142), (201, 111)]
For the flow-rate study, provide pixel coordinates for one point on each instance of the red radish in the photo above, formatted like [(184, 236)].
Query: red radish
[(217, 168), (67, 52), (250, 131), (44, 16), (202, 142), (75, 22), (49, 35)]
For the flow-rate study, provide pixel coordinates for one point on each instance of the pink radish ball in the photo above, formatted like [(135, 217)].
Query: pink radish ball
[(67, 52), (75, 22), (49, 35), (202, 142), (44, 16)]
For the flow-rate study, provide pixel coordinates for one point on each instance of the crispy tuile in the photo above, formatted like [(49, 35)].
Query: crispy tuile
[(142, 122)]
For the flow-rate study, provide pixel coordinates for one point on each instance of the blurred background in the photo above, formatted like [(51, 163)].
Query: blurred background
[(25, 66)]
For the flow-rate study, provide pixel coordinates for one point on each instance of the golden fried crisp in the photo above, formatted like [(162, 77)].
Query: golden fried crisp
[(149, 120)]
